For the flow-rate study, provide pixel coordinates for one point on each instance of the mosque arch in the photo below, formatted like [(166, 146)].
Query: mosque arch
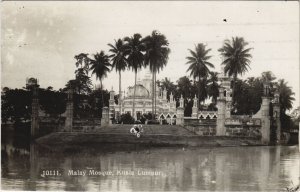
[(162, 116)]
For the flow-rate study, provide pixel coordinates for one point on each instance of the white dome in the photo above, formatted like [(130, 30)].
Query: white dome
[(141, 91)]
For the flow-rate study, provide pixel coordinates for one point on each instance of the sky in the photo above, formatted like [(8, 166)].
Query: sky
[(40, 39)]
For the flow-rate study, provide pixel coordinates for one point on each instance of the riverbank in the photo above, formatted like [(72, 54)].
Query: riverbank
[(153, 135)]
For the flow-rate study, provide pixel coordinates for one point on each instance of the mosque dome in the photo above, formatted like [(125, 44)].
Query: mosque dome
[(141, 91)]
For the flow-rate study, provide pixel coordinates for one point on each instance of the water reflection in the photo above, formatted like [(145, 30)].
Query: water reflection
[(231, 168)]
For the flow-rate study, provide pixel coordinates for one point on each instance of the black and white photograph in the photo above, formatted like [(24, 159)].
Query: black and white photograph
[(150, 96)]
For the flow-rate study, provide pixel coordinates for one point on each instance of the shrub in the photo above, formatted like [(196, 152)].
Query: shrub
[(153, 122), (127, 118)]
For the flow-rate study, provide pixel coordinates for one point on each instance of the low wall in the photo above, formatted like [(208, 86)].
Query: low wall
[(86, 124), (203, 127), (233, 127), (244, 131), (243, 126)]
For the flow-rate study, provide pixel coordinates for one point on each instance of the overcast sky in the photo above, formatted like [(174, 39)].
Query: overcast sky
[(40, 39)]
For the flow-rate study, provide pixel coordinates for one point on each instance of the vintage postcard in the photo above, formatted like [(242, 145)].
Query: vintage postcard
[(150, 96)]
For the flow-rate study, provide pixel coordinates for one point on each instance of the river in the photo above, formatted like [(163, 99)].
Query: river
[(27, 166)]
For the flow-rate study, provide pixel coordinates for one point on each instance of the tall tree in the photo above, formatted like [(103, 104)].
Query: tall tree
[(286, 99), (285, 95), (134, 48), (255, 92), (99, 66), (82, 61), (15, 105), (84, 83), (119, 61), (157, 54), (184, 85), (199, 66), (268, 76), (169, 86), (203, 86), (213, 87), (236, 57)]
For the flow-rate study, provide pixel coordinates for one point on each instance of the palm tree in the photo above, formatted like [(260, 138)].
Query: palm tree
[(119, 62), (285, 95), (203, 86), (169, 86), (134, 49), (184, 86), (157, 55), (100, 66), (236, 57), (199, 66), (213, 87)]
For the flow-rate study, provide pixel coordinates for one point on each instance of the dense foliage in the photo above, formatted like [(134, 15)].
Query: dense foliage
[(16, 104), (127, 118)]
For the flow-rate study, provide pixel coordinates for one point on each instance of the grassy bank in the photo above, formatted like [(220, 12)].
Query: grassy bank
[(154, 135)]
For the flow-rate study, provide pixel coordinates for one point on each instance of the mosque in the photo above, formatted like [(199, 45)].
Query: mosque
[(165, 109), (143, 100)]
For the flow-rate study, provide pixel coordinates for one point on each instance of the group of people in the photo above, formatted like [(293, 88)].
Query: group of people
[(136, 130)]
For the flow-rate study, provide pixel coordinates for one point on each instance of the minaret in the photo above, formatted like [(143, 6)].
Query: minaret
[(180, 112), (172, 103), (265, 117), (35, 111), (224, 102), (181, 102), (112, 98), (111, 105), (147, 81), (165, 94), (228, 103), (276, 116), (226, 84), (195, 107), (69, 111), (221, 105), (171, 98)]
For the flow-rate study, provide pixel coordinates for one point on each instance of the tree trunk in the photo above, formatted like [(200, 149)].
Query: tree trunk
[(153, 93), (233, 87), (102, 93), (199, 92), (120, 90), (133, 104)]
